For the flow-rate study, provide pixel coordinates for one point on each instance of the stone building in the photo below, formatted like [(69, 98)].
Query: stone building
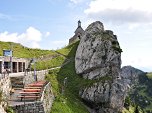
[(18, 64), (79, 32)]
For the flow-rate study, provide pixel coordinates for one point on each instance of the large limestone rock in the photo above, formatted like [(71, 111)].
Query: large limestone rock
[(97, 52), (98, 58)]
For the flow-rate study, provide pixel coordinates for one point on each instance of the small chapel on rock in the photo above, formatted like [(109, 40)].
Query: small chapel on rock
[(79, 32)]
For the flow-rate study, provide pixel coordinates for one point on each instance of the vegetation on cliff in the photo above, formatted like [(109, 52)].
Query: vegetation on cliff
[(140, 95), (149, 75), (66, 94), (67, 97)]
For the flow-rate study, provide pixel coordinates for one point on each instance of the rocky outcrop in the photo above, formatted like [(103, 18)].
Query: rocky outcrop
[(98, 58), (97, 52), (138, 87), (130, 75)]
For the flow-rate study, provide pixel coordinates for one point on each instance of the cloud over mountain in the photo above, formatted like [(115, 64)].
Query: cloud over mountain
[(30, 38), (120, 11)]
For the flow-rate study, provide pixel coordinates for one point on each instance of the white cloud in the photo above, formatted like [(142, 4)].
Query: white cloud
[(60, 42), (141, 61), (99, 5), (33, 34), (5, 36), (35, 45), (30, 38), (76, 1), (131, 22), (47, 34), (57, 44), (121, 11)]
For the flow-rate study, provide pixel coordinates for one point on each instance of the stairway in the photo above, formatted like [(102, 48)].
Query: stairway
[(17, 82)]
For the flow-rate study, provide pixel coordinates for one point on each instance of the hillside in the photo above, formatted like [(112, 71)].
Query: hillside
[(24, 52), (67, 99), (149, 75), (44, 58), (140, 92)]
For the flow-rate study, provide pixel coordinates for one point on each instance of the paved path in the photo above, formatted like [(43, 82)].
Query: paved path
[(16, 74), (23, 73)]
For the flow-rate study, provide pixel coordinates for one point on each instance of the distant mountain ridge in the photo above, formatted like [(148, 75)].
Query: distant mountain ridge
[(130, 74), (140, 91)]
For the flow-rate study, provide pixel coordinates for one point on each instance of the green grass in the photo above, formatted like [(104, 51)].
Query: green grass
[(60, 58), (67, 51), (149, 107), (44, 64), (131, 110), (69, 101), (149, 75), (24, 52), (141, 95), (142, 92), (45, 61), (9, 110)]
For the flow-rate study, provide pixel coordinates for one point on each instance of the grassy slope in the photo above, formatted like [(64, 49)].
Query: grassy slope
[(149, 75), (130, 110), (69, 101), (142, 94), (55, 62), (23, 52)]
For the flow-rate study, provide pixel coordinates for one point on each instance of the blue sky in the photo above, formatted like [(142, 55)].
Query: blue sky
[(48, 24)]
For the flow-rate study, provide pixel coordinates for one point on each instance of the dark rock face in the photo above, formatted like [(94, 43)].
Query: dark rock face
[(98, 58), (130, 75), (139, 87)]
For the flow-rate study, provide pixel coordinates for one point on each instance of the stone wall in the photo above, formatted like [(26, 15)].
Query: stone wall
[(35, 107), (47, 98), (5, 86), (29, 78)]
